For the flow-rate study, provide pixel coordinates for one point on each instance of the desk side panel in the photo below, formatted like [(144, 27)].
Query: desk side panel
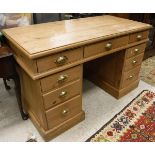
[(27, 64), (32, 99)]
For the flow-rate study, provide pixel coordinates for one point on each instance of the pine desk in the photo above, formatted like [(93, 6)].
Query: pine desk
[(51, 58)]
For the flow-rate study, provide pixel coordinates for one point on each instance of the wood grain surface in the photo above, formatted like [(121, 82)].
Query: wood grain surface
[(43, 39)]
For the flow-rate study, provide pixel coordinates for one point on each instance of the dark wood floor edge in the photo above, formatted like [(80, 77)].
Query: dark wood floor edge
[(88, 140)]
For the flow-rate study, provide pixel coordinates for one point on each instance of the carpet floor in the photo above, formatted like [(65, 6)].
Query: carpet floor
[(134, 123), (147, 73), (98, 105)]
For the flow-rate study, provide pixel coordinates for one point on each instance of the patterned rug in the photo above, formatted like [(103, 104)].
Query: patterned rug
[(147, 73), (135, 123)]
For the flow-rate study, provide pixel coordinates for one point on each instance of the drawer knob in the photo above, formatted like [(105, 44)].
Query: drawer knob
[(65, 112), (63, 94), (136, 50), (62, 78), (61, 60), (134, 62), (130, 77), (108, 46), (139, 37)]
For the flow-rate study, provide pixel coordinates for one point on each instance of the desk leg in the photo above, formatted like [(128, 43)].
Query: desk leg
[(7, 87), (18, 95)]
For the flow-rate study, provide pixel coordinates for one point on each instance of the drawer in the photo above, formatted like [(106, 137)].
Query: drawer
[(63, 112), (107, 45), (133, 62), (60, 79), (130, 76), (138, 36), (59, 59), (133, 51), (62, 94)]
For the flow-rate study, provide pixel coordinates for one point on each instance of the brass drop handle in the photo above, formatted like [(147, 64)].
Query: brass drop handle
[(134, 62), (65, 112), (62, 78), (108, 46), (63, 94), (61, 60), (136, 50), (139, 37)]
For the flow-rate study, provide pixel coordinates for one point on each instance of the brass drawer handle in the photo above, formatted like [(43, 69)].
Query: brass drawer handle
[(61, 60), (139, 37), (62, 78), (63, 94), (65, 112), (108, 46), (136, 50), (134, 62)]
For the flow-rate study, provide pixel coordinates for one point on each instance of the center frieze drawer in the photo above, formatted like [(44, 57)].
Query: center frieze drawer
[(60, 79), (62, 94), (107, 45), (60, 59), (63, 112)]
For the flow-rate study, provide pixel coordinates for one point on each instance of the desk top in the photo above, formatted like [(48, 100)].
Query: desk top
[(47, 38)]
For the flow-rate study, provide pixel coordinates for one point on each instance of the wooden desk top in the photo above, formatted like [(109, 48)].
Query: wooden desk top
[(47, 38)]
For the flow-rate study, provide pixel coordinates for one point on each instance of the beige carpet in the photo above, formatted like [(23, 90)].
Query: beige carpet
[(99, 107), (147, 73)]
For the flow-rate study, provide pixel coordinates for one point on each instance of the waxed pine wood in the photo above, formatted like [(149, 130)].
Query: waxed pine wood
[(48, 38), (51, 82), (133, 50), (133, 62), (81, 42), (53, 98)]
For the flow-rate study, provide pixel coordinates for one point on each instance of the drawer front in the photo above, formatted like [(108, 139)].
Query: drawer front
[(133, 51), (107, 45), (63, 112), (59, 60), (62, 94), (133, 62), (138, 36), (130, 76), (60, 79)]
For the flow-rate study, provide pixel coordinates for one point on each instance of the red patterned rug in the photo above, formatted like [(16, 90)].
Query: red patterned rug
[(135, 123)]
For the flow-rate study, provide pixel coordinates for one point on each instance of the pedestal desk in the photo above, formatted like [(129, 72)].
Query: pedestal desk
[(51, 57)]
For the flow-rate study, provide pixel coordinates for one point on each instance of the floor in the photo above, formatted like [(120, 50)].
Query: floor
[(99, 107), (147, 73)]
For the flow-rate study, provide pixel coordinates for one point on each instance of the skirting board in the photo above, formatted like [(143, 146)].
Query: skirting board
[(52, 133), (113, 91)]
